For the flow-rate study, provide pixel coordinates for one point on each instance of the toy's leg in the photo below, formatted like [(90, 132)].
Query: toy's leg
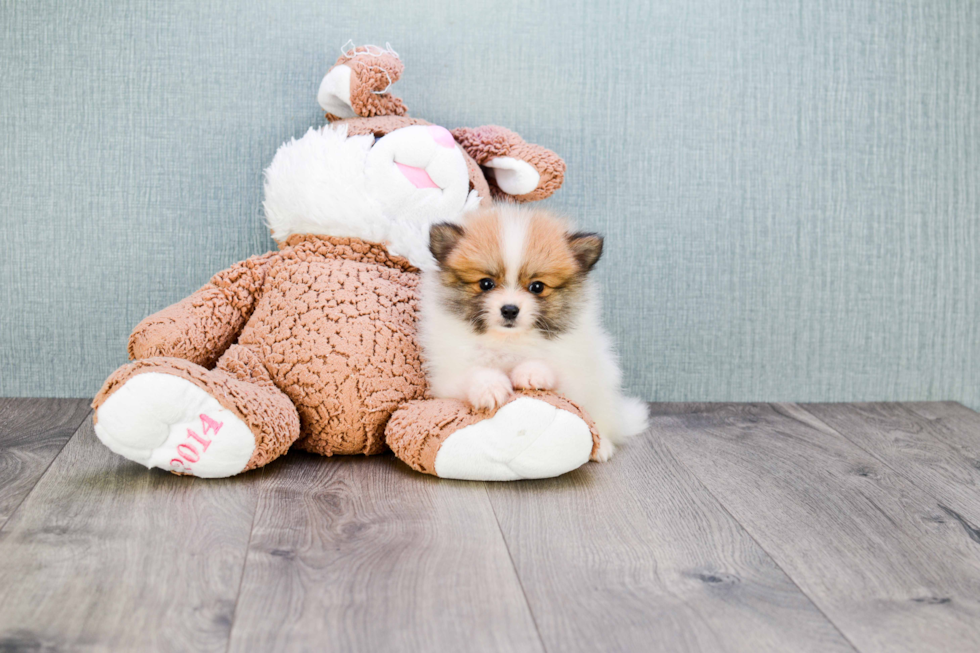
[(175, 415), (536, 435)]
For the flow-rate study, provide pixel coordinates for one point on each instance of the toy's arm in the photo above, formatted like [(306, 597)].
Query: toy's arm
[(201, 327), (517, 170), (359, 84)]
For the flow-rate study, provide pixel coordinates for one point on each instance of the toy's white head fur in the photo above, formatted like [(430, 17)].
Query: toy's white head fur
[(388, 190)]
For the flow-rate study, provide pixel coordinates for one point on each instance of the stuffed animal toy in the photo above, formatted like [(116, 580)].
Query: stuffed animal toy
[(314, 346)]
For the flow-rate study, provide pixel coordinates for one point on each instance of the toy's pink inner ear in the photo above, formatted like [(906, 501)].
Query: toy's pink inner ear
[(419, 177)]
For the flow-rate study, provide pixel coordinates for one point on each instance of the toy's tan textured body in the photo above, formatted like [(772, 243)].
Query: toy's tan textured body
[(336, 329), (315, 345), (328, 322)]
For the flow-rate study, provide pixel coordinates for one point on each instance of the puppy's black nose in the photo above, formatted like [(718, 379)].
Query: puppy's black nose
[(509, 311)]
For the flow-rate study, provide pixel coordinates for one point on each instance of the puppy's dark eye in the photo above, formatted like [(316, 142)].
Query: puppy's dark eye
[(536, 287), (487, 284)]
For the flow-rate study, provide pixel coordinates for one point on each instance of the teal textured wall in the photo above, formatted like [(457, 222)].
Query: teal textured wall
[(790, 190)]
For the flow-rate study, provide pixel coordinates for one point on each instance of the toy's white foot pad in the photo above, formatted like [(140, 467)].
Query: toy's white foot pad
[(527, 438), (164, 421)]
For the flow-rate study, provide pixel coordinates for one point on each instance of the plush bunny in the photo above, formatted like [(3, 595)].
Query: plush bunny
[(314, 345)]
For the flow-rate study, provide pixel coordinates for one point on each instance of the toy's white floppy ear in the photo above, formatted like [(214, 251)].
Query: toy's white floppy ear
[(334, 93), (514, 168), (513, 176)]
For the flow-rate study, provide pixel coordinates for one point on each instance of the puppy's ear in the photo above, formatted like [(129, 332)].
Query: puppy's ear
[(587, 248), (443, 238)]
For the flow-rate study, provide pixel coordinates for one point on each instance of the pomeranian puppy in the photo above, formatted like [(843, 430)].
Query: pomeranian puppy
[(511, 306)]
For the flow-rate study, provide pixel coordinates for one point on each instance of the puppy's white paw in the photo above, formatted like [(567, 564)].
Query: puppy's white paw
[(533, 375), (606, 450), (488, 389)]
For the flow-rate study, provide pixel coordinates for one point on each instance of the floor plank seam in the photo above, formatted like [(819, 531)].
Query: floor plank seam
[(241, 578), (939, 502), (78, 427), (513, 566), (748, 532)]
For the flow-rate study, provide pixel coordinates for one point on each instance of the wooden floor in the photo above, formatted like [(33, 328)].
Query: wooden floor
[(726, 527)]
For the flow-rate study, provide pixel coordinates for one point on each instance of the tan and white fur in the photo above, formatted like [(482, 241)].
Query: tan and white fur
[(511, 306)]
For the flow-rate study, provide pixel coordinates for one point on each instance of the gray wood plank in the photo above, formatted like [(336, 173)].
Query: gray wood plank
[(107, 555), (636, 555), (914, 445), (866, 545), (365, 554), (953, 424), (32, 432)]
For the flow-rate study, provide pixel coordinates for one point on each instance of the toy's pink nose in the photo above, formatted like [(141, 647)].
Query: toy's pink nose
[(442, 136)]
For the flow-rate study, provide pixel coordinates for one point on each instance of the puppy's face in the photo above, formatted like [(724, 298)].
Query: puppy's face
[(513, 270)]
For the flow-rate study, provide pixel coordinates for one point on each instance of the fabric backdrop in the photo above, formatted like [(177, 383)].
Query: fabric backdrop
[(790, 191)]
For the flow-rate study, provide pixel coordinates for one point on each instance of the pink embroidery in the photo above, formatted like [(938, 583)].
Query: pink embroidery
[(188, 452), (187, 456), (204, 443), (208, 423)]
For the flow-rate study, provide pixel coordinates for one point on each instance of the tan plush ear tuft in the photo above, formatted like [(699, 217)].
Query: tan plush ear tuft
[(443, 238), (587, 248), (359, 84)]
